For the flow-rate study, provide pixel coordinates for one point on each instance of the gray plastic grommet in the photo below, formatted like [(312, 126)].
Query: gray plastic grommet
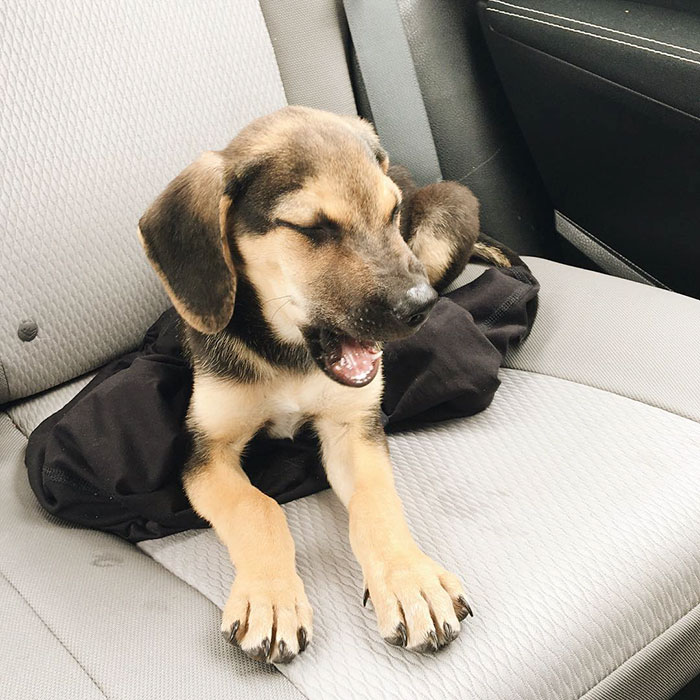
[(27, 330)]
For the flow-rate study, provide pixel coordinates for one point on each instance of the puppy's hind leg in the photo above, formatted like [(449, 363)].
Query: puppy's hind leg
[(440, 223)]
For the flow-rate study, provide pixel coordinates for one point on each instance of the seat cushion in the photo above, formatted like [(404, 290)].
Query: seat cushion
[(572, 515), (628, 338), (85, 615), (571, 509)]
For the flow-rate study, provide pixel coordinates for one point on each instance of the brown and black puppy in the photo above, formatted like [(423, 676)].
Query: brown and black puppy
[(284, 255)]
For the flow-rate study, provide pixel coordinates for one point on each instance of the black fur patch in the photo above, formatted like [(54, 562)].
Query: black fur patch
[(199, 453), (373, 429), (174, 236), (255, 192), (216, 354)]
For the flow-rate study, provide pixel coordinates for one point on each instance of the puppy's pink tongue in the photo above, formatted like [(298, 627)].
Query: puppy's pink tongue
[(358, 362)]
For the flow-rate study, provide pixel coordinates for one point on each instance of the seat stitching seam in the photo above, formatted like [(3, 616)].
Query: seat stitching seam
[(53, 634), (4, 382), (595, 36), (596, 26), (292, 683), (15, 423)]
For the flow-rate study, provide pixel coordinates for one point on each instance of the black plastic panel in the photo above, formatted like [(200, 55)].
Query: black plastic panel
[(612, 126)]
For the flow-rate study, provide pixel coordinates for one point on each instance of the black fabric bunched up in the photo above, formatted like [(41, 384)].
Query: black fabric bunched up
[(111, 459)]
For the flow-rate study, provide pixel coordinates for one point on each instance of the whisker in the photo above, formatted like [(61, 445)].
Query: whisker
[(284, 296), (281, 306)]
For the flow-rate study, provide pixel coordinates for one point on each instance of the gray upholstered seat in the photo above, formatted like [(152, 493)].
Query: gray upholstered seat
[(571, 507)]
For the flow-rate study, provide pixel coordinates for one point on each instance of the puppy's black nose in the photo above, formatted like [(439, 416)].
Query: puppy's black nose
[(415, 305)]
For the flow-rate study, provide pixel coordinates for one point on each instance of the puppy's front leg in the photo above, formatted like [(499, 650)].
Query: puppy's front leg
[(419, 605), (267, 612)]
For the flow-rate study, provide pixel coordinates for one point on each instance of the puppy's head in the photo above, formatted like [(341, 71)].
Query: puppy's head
[(299, 207)]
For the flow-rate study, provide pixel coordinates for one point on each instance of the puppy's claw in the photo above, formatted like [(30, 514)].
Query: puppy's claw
[(302, 639), (430, 643), (449, 634), (260, 653), (463, 609), (284, 654), (365, 598), (400, 637), (230, 634)]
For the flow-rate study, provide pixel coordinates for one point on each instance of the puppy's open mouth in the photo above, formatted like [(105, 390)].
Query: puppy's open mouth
[(345, 359)]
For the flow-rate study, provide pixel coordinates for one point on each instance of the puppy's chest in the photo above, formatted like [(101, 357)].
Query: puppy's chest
[(294, 404), (289, 406), (286, 420)]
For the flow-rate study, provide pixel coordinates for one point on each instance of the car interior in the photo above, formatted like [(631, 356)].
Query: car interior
[(570, 508)]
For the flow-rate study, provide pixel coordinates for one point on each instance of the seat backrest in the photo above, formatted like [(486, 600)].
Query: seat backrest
[(104, 104)]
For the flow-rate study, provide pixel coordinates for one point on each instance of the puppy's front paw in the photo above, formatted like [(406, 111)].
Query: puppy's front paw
[(270, 619), (419, 605)]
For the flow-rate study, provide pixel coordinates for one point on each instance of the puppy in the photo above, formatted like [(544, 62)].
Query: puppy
[(291, 258)]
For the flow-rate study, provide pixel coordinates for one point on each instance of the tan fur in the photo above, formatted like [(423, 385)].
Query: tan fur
[(403, 583), (203, 177), (396, 572), (322, 194), (226, 409), (491, 253), (224, 210), (433, 251), (267, 593), (251, 525), (273, 275)]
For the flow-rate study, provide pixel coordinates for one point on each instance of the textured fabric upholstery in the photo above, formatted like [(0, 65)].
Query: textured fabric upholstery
[(28, 413), (85, 615), (660, 668), (104, 103), (572, 515), (621, 336)]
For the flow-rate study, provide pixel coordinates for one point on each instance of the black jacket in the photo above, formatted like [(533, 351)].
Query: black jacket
[(111, 459)]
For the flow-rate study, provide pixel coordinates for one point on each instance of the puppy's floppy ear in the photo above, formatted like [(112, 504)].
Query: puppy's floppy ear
[(366, 131), (184, 235)]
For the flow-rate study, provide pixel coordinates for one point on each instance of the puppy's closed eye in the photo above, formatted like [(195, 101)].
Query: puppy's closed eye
[(321, 229), (393, 217)]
